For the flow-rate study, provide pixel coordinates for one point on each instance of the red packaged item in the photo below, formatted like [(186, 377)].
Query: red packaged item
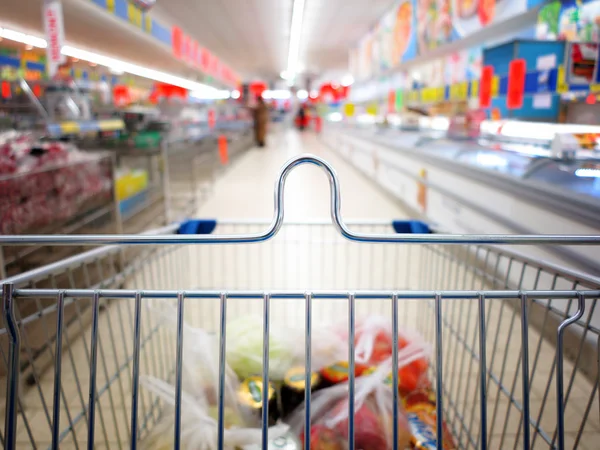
[(373, 413), (373, 345)]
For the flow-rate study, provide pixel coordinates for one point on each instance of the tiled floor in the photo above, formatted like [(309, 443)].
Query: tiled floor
[(311, 256)]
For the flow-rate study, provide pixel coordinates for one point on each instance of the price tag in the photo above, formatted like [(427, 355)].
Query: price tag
[(561, 82), (495, 85)]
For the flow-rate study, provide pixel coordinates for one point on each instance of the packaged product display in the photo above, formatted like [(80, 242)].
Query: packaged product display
[(42, 183)]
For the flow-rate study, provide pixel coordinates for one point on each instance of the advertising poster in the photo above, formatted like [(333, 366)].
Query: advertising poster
[(434, 24), (579, 21), (384, 39), (470, 16), (403, 40)]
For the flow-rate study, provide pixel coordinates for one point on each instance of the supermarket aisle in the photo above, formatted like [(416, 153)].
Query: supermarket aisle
[(241, 194)]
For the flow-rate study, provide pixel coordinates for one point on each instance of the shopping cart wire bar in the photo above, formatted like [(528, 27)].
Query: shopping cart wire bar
[(277, 222), (330, 295)]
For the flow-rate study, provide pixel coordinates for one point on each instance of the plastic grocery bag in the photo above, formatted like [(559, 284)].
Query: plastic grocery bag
[(199, 425), (373, 345), (286, 347), (200, 393), (373, 420)]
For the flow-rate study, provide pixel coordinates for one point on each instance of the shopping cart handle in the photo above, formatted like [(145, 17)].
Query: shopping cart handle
[(197, 226), (410, 227)]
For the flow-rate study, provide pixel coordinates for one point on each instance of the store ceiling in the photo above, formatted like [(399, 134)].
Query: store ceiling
[(252, 36)]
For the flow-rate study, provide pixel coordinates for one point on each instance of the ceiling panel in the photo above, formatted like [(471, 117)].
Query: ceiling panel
[(252, 36)]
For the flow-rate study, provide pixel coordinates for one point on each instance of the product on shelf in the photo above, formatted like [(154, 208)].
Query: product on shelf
[(42, 183)]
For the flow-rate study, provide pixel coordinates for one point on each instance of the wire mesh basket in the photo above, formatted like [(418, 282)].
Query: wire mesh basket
[(515, 338)]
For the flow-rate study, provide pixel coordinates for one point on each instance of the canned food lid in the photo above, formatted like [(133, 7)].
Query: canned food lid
[(296, 378), (251, 392), (337, 372)]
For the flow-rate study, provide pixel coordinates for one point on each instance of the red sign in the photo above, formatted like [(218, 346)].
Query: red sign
[(6, 89), (485, 87), (55, 35), (177, 41), (205, 60), (392, 101), (516, 84)]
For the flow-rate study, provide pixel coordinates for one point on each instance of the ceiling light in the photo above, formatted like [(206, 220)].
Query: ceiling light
[(23, 38), (347, 80), (235, 94), (295, 34), (302, 94), (586, 172), (278, 94)]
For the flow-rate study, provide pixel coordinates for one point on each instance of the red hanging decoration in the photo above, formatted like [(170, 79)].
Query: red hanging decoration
[(485, 87), (176, 41), (516, 84)]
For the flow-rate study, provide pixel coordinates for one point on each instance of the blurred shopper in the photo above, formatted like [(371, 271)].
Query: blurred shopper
[(261, 120), (302, 118)]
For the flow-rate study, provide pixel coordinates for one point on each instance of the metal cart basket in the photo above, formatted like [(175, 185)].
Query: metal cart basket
[(516, 339)]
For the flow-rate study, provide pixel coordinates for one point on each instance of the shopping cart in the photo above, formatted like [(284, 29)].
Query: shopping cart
[(510, 332)]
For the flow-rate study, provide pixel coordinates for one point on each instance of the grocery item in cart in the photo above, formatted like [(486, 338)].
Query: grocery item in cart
[(294, 387), (420, 409), (250, 395), (201, 394), (374, 345), (373, 415), (286, 348)]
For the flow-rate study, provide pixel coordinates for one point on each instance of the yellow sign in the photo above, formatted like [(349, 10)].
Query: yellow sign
[(349, 109), (134, 15), (595, 88), (475, 88), (148, 22), (441, 94), (69, 127), (110, 5), (372, 109), (561, 82), (463, 90)]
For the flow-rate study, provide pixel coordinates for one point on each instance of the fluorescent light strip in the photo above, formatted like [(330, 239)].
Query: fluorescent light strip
[(295, 34), (133, 69), (23, 38), (115, 65), (585, 172)]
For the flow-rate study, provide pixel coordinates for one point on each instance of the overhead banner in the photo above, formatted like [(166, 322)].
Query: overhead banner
[(55, 35)]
